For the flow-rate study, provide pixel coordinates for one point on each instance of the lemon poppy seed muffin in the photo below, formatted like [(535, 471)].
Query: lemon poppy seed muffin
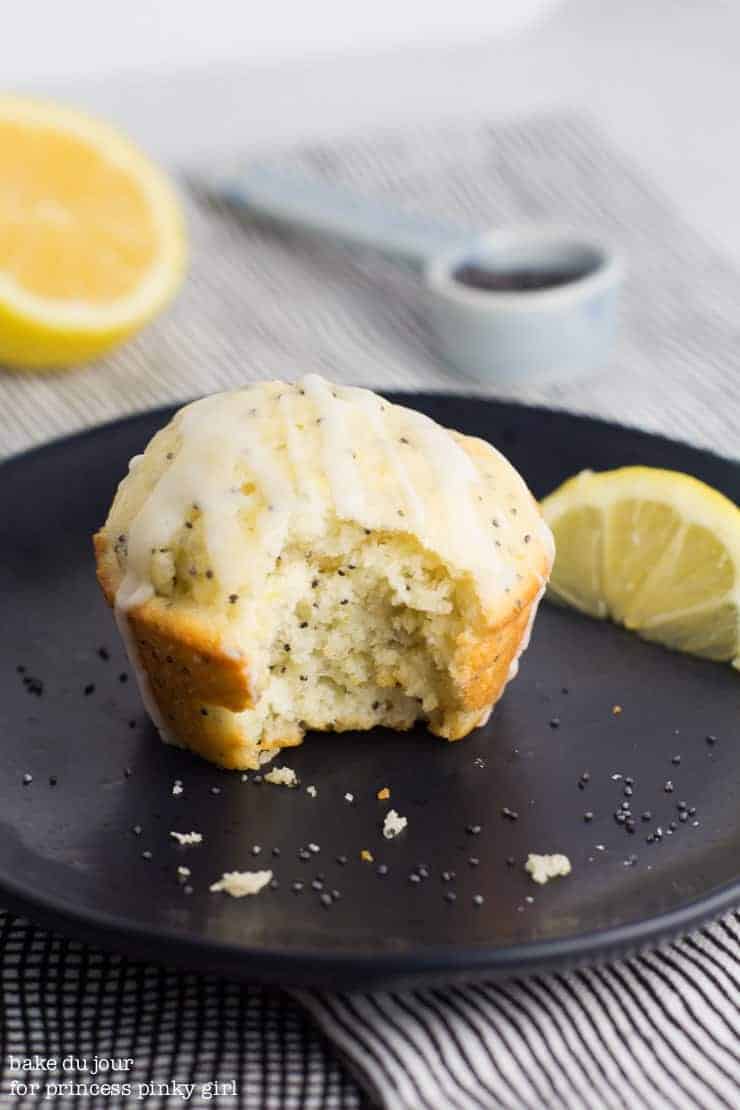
[(309, 556)]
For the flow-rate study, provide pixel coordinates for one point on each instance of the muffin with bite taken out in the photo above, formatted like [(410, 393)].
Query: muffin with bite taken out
[(288, 557)]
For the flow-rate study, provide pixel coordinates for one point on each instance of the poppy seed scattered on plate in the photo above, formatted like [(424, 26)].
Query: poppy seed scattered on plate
[(554, 722), (509, 814), (215, 790), (33, 685), (27, 779), (414, 878), (274, 884), (297, 886), (647, 815), (276, 851), (478, 899), (473, 830), (146, 854), (104, 654), (676, 759), (588, 815), (317, 885), (137, 830), (450, 896), (89, 689), (341, 860), (510, 861), (711, 739), (123, 677), (304, 854), (326, 900), (52, 780), (448, 876), (473, 861), (382, 869), (668, 787)]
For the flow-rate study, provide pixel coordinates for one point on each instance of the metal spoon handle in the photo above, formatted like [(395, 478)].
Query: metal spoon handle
[(340, 213)]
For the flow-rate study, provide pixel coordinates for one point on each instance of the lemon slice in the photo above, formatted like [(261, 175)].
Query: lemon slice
[(91, 236), (654, 550)]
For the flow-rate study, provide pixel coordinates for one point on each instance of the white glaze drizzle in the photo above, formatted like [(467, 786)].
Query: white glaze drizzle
[(415, 515), (300, 445), (457, 479), (305, 489), (340, 467), (211, 432), (276, 489)]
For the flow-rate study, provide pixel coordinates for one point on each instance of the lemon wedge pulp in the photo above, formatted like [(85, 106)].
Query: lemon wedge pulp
[(91, 236), (654, 550)]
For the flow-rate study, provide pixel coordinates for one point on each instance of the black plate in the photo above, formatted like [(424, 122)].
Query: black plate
[(69, 858)]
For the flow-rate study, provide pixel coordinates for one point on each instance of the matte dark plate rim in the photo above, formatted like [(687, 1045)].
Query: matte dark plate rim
[(266, 966), (269, 966)]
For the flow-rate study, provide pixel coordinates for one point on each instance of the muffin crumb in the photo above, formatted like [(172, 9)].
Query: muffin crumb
[(544, 868), (187, 838), (282, 776), (393, 824), (239, 883)]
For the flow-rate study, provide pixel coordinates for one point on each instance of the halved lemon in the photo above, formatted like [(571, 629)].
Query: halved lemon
[(654, 550), (92, 240)]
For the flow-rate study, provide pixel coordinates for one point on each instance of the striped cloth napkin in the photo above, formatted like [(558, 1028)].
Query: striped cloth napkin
[(658, 1030)]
